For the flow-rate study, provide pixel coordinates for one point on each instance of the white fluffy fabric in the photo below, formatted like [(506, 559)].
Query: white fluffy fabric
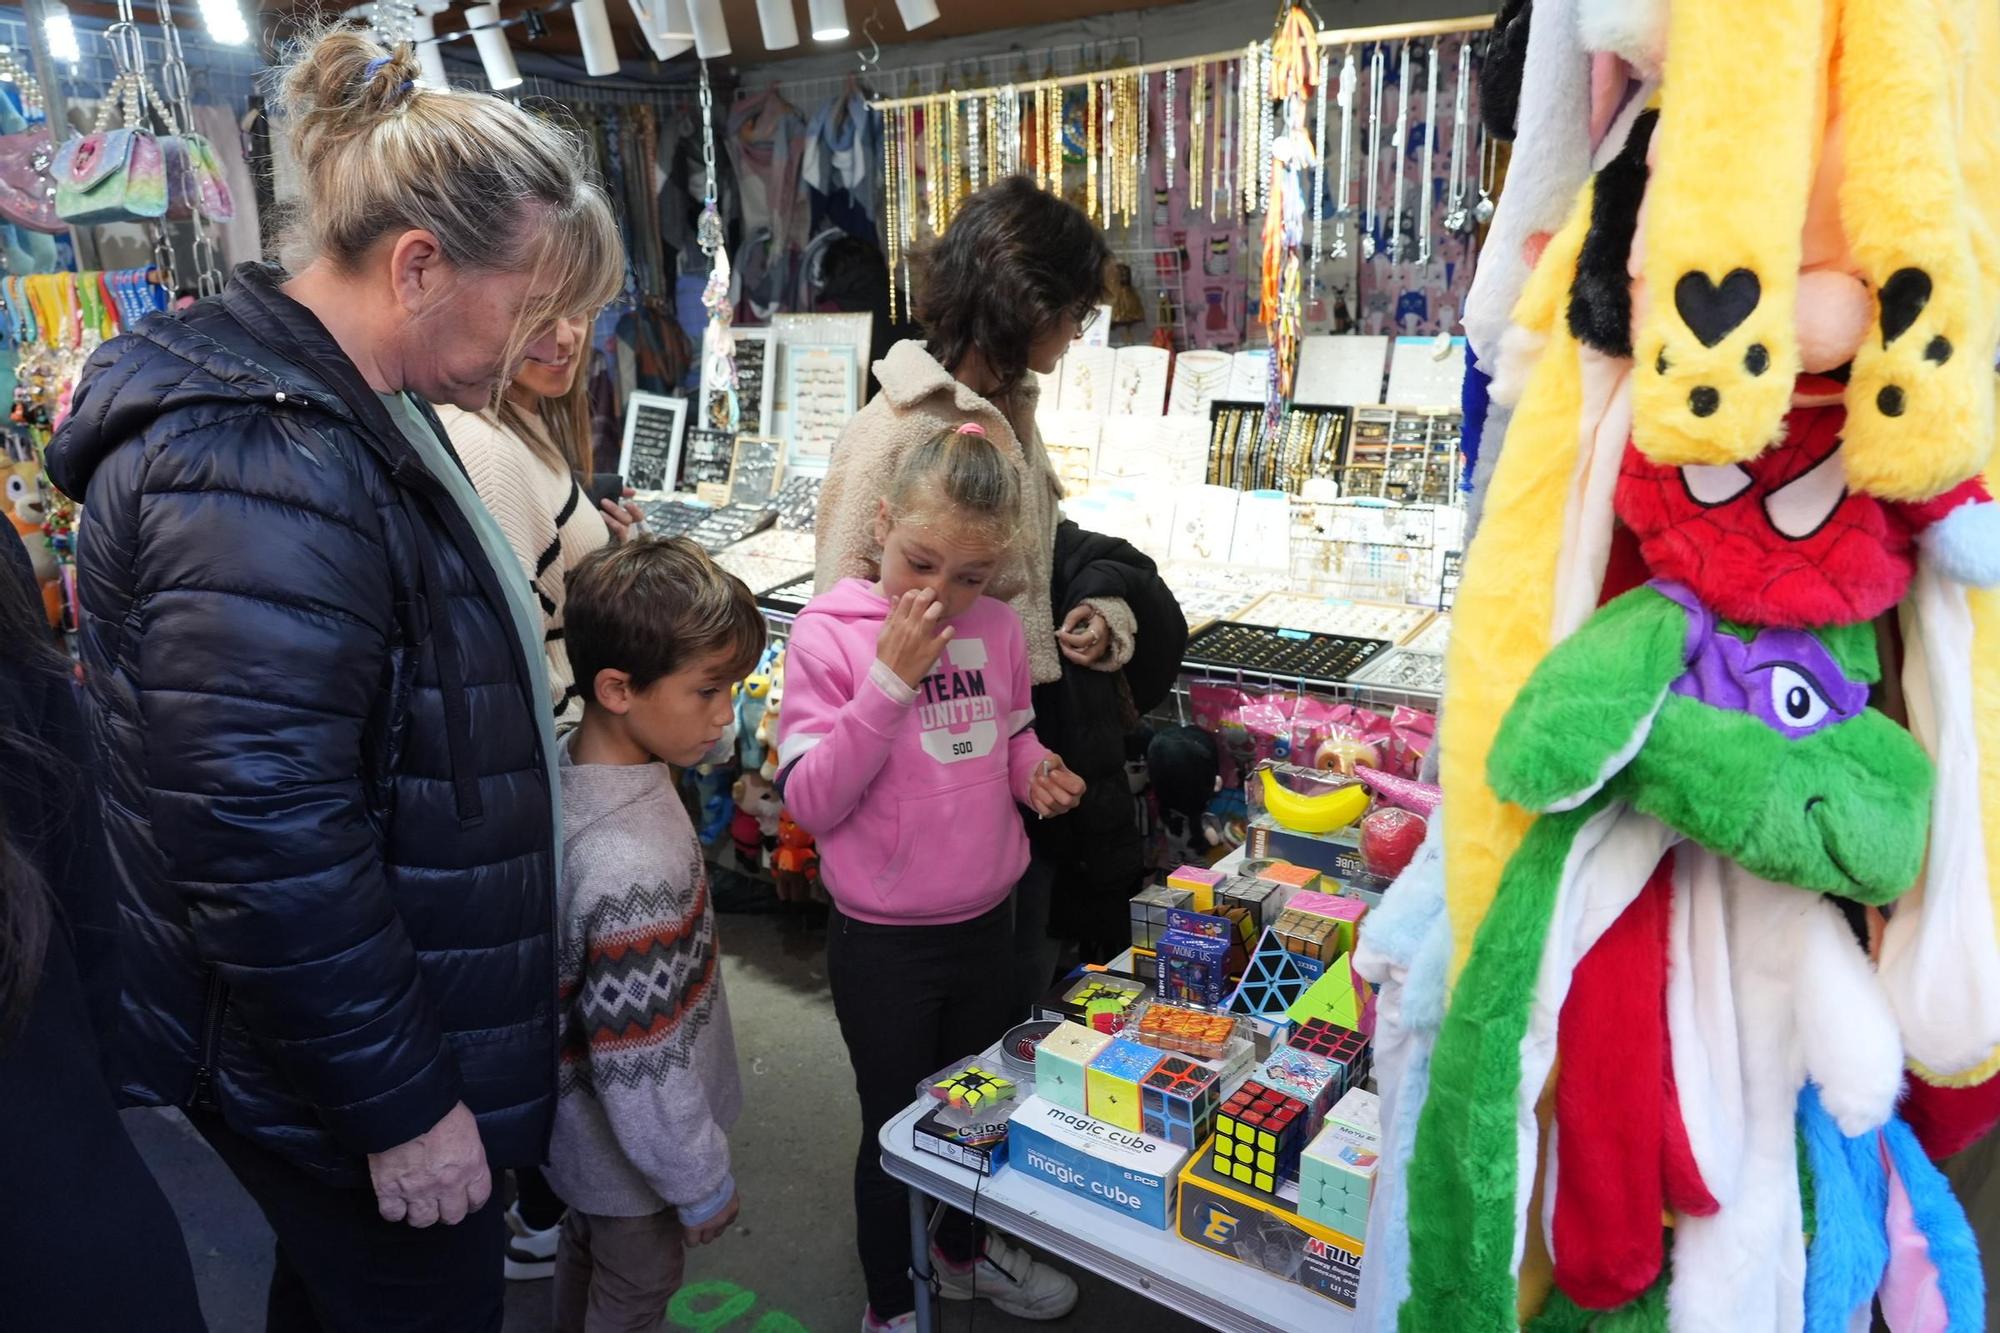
[(1701, 1020), (1550, 163), (1634, 29), (1940, 962), (1847, 1032), (1605, 424)]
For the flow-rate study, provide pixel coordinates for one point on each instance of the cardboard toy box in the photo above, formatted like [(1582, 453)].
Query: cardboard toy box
[(976, 1140), (1336, 855), (1132, 1174), (1266, 1231)]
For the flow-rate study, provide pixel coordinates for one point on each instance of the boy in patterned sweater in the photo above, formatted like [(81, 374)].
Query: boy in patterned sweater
[(647, 1086)]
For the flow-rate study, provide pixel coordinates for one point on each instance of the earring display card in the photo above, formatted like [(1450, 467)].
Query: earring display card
[(1340, 371), (1204, 523), (650, 457), (709, 455), (798, 503), (1249, 374), (1200, 377), (1326, 659), (674, 517), (1086, 380), (1420, 377), (819, 390), (1139, 381), (753, 475), (729, 525)]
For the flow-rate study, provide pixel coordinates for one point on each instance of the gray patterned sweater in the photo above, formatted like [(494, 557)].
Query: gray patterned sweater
[(647, 1085)]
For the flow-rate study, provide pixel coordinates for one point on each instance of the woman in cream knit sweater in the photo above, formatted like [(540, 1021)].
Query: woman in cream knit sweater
[(521, 457)]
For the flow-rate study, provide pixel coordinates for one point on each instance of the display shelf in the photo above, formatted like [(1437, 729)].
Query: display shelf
[(1159, 1265), (1284, 654)]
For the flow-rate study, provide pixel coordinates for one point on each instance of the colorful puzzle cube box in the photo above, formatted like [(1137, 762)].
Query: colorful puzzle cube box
[(1112, 1082), (1265, 1232), (1200, 882), (1149, 912), (972, 1088), (1178, 1101), (1260, 898), (1337, 1179), (1359, 1110), (1344, 1048), (1309, 935), (1202, 1033), (1060, 1063), (975, 1140), (1259, 1133), (1346, 913), (1134, 1175), (1316, 1082), (1100, 1000), (1193, 968)]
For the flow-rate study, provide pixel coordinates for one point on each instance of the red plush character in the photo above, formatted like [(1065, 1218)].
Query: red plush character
[(795, 863), (1782, 541)]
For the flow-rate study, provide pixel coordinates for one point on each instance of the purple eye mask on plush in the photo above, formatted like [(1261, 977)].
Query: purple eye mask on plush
[(1785, 678)]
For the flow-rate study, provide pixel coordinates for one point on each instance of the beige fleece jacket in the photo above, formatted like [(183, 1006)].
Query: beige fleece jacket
[(919, 398)]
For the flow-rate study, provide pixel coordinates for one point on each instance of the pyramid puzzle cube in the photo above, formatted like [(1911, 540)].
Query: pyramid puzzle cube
[(1309, 935), (1199, 881), (1338, 997), (1344, 1048), (1258, 897), (1306, 1076), (1060, 1063), (1273, 980), (1113, 1080), (1337, 1179), (1259, 1133), (1193, 968), (1149, 912), (1178, 1101)]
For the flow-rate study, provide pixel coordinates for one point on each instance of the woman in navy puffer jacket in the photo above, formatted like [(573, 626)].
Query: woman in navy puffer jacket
[(319, 692)]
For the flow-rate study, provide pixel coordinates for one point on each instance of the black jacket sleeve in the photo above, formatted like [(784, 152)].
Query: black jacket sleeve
[(1090, 564), (265, 627)]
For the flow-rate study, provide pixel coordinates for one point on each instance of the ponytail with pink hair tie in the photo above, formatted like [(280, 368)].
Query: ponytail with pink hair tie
[(972, 428)]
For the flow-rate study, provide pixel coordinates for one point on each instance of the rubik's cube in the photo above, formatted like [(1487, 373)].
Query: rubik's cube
[(1343, 1047), (1193, 968), (1113, 1080), (1301, 1074), (1346, 913), (1060, 1062), (1149, 912), (1104, 1003), (1259, 1133), (1258, 897), (1196, 1032), (1199, 881), (1337, 1179), (1359, 1110), (1308, 934), (972, 1088), (1178, 1101), (1290, 880)]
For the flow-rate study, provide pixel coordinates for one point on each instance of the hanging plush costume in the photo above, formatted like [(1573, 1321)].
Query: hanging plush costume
[(1769, 344)]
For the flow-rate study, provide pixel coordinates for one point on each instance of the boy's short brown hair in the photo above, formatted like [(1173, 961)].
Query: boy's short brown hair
[(652, 605)]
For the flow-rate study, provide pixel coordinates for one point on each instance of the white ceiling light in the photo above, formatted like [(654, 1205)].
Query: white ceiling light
[(829, 20), (673, 21), (593, 33), (494, 53), (61, 32), (916, 13), (711, 35), (651, 23), (422, 30), (224, 21), (780, 25)]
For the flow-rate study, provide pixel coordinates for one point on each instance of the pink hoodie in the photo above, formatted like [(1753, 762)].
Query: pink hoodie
[(911, 793)]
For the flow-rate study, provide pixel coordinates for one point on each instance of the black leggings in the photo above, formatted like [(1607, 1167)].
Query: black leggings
[(911, 999)]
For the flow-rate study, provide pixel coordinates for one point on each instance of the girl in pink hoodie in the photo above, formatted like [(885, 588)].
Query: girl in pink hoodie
[(905, 743)]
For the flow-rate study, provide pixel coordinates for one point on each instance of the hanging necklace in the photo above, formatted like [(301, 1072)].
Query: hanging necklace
[(1425, 184), (1319, 179), (1267, 119), (1344, 205), (1371, 212), (1197, 131), (1489, 166), (1250, 122), (1457, 217), (1090, 182), (1053, 126), (889, 206), (1398, 252), (1167, 130), (1144, 173), (1218, 182)]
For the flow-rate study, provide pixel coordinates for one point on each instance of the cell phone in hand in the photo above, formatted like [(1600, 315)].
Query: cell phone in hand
[(605, 486)]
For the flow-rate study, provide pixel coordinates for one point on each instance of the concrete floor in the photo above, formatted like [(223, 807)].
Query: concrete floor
[(790, 1263)]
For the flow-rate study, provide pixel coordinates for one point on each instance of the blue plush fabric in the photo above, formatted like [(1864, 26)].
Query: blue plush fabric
[(1966, 544), (1954, 1249), (1849, 1249), (1473, 401), (1413, 930)]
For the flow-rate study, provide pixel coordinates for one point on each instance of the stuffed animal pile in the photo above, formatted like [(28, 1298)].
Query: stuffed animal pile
[(1714, 893)]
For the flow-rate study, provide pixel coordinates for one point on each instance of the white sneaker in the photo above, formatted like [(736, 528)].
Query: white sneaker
[(870, 1324), (1009, 1277), (531, 1254)]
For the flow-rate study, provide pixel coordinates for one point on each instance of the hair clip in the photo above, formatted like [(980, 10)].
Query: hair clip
[(374, 67), (972, 428)]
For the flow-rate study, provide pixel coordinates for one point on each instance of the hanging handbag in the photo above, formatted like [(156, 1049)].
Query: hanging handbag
[(112, 174), (194, 177), (27, 192)]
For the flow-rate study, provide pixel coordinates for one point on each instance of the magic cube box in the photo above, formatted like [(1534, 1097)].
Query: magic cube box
[(1345, 912), (1337, 1179), (1259, 1133), (1100, 1000), (1291, 879), (1301, 1074), (1149, 912), (1112, 1083), (1060, 1062), (1193, 968), (1178, 1101), (1200, 882), (1261, 899), (1343, 1047), (1359, 1110)]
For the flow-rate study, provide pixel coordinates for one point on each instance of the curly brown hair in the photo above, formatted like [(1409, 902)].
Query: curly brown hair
[(1014, 261)]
